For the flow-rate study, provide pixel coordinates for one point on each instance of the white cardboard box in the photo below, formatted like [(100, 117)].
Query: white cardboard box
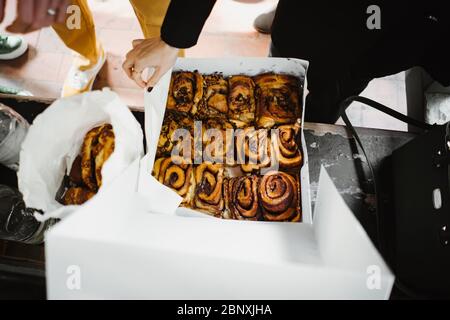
[(112, 248), (117, 247)]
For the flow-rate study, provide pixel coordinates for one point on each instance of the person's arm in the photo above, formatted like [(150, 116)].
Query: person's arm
[(184, 22), (181, 29), (33, 15)]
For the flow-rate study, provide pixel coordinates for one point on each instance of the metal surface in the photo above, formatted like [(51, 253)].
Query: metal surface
[(331, 146)]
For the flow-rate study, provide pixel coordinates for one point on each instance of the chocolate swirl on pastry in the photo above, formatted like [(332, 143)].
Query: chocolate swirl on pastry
[(185, 92), (165, 143), (75, 172), (87, 158), (286, 148), (217, 123), (170, 138), (215, 102), (214, 140), (242, 198), (77, 196), (103, 150), (175, 174), (241, 99), (279, 197), (97, 147), (278, 99), (209, 179)]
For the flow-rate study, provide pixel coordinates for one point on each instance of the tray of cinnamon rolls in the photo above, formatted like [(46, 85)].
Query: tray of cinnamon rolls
[(231, 143)]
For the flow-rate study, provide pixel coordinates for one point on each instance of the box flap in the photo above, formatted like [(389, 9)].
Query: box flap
[(342, 241), (121, 251)]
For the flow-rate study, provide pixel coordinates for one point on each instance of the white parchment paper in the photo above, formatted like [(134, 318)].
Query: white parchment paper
[(159, 198), (55, 138)]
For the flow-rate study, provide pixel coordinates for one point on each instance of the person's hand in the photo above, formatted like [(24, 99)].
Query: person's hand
[(36, 14), (150, 53)]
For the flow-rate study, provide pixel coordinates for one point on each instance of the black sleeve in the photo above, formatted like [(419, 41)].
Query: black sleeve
[(184, 22)]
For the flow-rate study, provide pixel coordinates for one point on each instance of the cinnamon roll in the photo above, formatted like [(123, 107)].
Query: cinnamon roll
[(214, 139), (209, 179), (253, 149), (241, 196), (102, 151), (185, 92), (287, 150), (214, 102), (98, 145), (278, 99), (241, 100), (77, 196), (279, 197), (87, 158), (217, 123), (170, 138), (85, 175), (177, 175)]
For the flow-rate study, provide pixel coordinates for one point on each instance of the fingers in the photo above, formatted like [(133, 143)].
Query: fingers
[(34, 14), (157, 74), (25, 16), (17, 27), (2, 9), (25, 11), (128, 66), (137, 42), (62, 12), (41, 16), (152, 53), (136, 75), (133, 72), (60, 6)]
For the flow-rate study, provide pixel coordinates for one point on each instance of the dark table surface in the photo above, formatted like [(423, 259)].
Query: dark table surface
[(22, 267)]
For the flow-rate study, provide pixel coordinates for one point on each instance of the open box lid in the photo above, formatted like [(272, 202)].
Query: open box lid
[(112, 248)]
